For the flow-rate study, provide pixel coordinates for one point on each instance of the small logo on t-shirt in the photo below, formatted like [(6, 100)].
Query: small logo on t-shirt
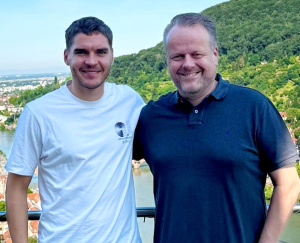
[(123, 131)]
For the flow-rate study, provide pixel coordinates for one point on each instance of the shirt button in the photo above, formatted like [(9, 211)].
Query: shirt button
[(196, 111)]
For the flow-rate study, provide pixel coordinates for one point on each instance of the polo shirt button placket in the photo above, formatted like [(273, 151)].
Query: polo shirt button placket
[(194, 118)]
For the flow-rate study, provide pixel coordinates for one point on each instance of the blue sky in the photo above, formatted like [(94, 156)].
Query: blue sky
[(32, 32)]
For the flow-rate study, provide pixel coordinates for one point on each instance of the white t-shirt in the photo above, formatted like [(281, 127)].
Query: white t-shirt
[(83, 153)]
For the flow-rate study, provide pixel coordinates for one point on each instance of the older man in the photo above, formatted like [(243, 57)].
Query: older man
[(210, 146)]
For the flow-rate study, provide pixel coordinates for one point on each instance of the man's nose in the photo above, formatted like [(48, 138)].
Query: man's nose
[(188, 62), (91, 60)]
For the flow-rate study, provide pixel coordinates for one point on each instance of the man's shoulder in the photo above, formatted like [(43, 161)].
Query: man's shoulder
[(119, 88), (122, 93), (165, 100), (52, 97), (246, 93), (161, 106)]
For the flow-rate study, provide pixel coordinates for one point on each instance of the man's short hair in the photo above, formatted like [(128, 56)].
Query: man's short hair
[(88, 26), (192, 19)]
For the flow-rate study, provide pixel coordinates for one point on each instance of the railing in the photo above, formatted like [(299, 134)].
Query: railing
[(142, 212)]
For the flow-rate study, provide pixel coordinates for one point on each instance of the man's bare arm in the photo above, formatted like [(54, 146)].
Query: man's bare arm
[(16, 207), (286, 190)]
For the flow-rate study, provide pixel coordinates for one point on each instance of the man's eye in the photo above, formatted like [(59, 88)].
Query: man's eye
[(101, 52), (197, 55), (79, 52), (177, 57)]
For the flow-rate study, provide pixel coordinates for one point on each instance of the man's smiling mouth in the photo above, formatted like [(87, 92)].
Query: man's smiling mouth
[(189, 74), (88, 71)]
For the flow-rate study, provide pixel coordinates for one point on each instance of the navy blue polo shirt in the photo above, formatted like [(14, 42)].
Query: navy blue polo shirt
[(210, 163)]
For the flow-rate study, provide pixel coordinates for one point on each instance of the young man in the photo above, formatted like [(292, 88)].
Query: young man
[(210, 146), (80, 137)]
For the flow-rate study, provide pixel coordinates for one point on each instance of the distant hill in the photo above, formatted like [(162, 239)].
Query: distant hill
[(249, 32), (257, 30), (259, 47)]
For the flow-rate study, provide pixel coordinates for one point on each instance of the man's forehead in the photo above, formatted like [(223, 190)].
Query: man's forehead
[(96, 39), (182, 34), (185, 28)]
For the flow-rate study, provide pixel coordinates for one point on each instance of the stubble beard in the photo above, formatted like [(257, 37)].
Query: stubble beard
[(90, 87), (86, 85), (190, 88), (193, 90)]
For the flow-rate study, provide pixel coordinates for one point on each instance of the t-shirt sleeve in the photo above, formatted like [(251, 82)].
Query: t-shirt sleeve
[(27, 145), (274, 142)]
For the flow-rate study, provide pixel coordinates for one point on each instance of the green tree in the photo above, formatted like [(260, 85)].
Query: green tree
[(2, 206), (29, 190), (32, 240), (55, 81), (298, 168), (2, 127), (297, 133), (2, 154), (293, 116)]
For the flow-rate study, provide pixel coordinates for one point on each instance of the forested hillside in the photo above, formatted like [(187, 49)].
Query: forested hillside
[(259, 47), (255, 31)]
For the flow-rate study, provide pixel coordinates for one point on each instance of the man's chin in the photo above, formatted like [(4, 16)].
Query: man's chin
[(190, 90), (91, 86)]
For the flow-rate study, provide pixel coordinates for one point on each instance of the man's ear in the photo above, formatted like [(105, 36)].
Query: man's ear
[(216, 56), (66, 55), (112, 55)]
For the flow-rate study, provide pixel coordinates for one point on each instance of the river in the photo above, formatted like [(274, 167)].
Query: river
[(144, 197)]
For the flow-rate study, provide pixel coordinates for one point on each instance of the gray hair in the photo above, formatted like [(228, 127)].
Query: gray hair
[(192, 19)]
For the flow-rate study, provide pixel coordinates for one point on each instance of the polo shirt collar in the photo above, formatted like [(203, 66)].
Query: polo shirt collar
[(222, 88), (219, 93)]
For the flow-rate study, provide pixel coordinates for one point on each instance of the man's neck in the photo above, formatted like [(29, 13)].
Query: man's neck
[(194, 101), (89, 95)]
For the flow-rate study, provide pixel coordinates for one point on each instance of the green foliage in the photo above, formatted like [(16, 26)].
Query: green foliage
[(13, 100), (298, 168), (32, 240), (258, 30), (293, 117), (258, 45), (268, 192), (297, 133), (2, 154), (5, 112), (146, 72), (29, 95), (55, 81), (12, 119), (2, 206)]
